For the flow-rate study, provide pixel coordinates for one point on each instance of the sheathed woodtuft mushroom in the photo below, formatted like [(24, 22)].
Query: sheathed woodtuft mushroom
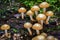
[(44, 5), (5, 27), (41, 17), (50, 38), (37, 27), (49, 14), (22, 10), (30, 14), (39, 37), (35, 9), (28, 25)]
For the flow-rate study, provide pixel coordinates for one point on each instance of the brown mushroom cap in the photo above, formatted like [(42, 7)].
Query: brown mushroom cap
[(39, 37), (29, 13), (5, 27), (44, 5), (41, 17), (44, 34), (35, 8), (50, 38), (37, 26), (27, 25), (49, 13), (21, 10)]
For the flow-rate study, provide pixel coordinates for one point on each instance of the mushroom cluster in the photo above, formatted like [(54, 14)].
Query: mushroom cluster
[(44, 36)]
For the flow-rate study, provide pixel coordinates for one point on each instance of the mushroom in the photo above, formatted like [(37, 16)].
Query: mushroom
[(49, 14), (5, 27), (44, 34), (35, 9), (22, 11), (30, 14), (56, 38), (28, 25), (50, 38), (41, 18), (37, 27), (39, 37), (44, 5)]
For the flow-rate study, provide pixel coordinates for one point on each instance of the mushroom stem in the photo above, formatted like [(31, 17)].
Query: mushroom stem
[(31, 18), (6, 32), (22, 15), (38, 32), (36, 13), (44, 10), (29, 31), (42, 22), (47, 20)]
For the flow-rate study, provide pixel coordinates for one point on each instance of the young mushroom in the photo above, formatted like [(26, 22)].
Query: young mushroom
[(37, 27), (49, 14), (30, 14), (5, 27), (50, 38), (39, 37), (35, 9), (44, 5), (41, 18), (22, 11), (28, 25), (44, 34)]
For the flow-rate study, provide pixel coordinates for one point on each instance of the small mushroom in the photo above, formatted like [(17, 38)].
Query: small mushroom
[(44, 5), (44, 34), (22, 11), (56, 38), (5, 27), (49, 14), (35, 9), (28, 25), (50, 38), (39, 37), (37, 27), (41, 17), (30, 14)]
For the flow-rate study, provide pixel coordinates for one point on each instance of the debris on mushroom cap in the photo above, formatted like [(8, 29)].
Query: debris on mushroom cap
[(27, 25), (44, 5), (41, 17), (49, 13), (44, 34), (5, 27), (35, 8), (30, 13), (37, 26), (21, 10), (50, 38)]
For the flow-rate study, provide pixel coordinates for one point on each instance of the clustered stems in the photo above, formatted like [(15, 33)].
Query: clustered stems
[(36, 13), (31, 18), (29, 31), (38, 32), (22, 15), (47, 20), (44, 10)]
